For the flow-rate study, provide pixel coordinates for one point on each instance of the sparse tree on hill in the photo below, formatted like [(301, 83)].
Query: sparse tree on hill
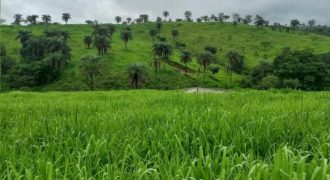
[(126, 36), (102, 44), (259, 21), (129, 20), (137, 74), (32, 19), (213, 18), (247, 19), (205, 18), (185, 58), (175, 33), (66, 17), (163, 50), (153, 33), (205, 59), (188, 15), (144, 18), (236, 17), (118, 19), (88, 40), (91, 67), (235, 63), (46, 19), (18, 18), (294, 24), (166, 14)]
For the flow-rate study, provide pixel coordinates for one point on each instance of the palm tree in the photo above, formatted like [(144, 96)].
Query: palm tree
[(91, 67), (66, 17), (159, 26), (88, 41), (24, 36), (205, 59), (137, 74), (175, 33), (153, 33), (163, 50), (186, 57), (102, 44), (46, 19), (166, 14), (234, 60), (294, 24), (18, 19), (126, 36), (56, 62), (118, 19)]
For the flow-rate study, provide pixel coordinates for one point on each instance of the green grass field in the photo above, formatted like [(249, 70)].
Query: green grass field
[(165, 135), (226, 37)]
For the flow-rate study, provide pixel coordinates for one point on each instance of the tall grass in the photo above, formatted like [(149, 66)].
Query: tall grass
[(165, 135)]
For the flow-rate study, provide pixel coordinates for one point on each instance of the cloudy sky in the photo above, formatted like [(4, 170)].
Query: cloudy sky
[(105, 10)]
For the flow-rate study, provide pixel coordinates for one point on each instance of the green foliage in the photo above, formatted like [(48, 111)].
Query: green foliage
[(126, 36), (91, 67), (270, 82), (137, 74)]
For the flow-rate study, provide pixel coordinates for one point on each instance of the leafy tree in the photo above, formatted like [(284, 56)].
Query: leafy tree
[(118, 19), (199, 20), (221, 17), (291, 83), (47, 19), (312, 22), (24, 36), (175, 33), (102, 44), (294, 23), (137, 74), (205, 59), (213, 18), (153, 33), (205, 18), (129, 20), (185, 58), (247, 19), (187, 15), (166, 14), (260, 21), (162, 50), (57, 61), (32, 19), (236, 18), (144, 18), (66, 17), (91, 67), (18, 18), (235, 63), (126, 36), (88, 40), (159, 26)]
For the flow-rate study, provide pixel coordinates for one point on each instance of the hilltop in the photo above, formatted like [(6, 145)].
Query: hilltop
[(225, 37)]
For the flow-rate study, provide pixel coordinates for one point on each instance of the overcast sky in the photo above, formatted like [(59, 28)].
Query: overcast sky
[(105, 10)]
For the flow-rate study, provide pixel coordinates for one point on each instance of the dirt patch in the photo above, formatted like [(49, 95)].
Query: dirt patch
[(204, 90)]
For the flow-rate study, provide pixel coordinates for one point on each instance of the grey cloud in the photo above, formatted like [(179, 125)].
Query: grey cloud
[(105, 10)]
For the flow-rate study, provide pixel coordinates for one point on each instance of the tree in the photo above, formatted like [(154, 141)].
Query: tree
[(294, 23), (213, 18), (247, 19), (24, 36), (126, 36), (166, 14), (312, 22), (66, 17), (175, 33), (144, 18), (91, 67), (235, 63), (185, 58), (32, 19), (205, 59), (56, 62), (46, 19), (129, 20), (236, 18), (118, 19), (259, 21), (188, 15), (153, 33), (159, 26), (205, 18), (270, 82), (102, 44), (88, 40), (18, 18), (3, 54), (163, 50), (137, 74)]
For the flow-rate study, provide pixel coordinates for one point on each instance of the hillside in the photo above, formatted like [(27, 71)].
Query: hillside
[(196, 36)]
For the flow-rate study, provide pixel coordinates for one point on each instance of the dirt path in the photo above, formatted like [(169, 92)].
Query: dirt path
[(204, 90)]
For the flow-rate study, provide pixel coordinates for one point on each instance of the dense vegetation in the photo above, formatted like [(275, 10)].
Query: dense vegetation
[(165, 135), (181, 47)]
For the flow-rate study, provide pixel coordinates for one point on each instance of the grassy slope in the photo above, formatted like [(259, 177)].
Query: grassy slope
[(196, 36), (165, 135)]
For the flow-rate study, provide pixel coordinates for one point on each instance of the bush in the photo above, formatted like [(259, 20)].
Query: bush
[(291, 83), (270, 82), (212, 49)]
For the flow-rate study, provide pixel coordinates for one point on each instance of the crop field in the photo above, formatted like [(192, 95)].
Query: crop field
[(165, 135)]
